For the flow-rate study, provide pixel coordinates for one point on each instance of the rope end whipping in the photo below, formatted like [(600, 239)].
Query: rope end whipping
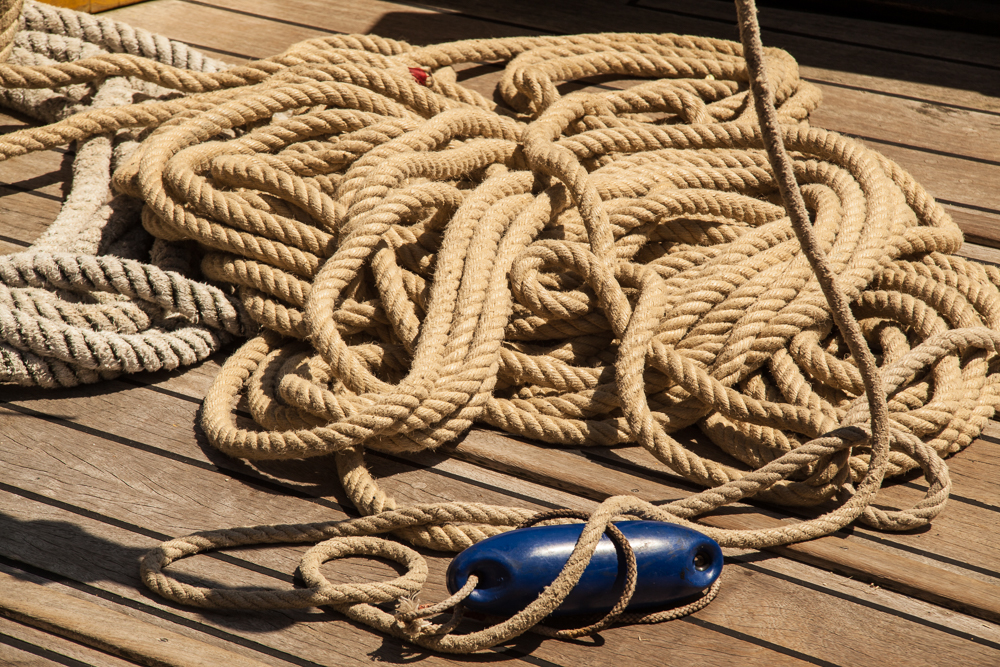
[(421, 76)]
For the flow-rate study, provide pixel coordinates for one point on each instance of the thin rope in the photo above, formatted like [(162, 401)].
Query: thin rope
[(408, 258)]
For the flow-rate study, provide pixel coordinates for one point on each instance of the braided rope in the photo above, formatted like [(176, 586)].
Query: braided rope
[(584, 269)]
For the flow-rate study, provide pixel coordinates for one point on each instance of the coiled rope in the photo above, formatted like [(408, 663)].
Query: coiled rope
[(585, 269)]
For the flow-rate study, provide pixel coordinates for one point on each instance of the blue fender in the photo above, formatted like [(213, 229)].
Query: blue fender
[(673, 562)]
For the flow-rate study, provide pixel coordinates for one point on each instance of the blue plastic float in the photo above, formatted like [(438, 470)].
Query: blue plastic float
[(673, 563)]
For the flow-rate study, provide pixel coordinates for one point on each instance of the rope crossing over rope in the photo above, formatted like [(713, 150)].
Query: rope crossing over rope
[(410, 258)]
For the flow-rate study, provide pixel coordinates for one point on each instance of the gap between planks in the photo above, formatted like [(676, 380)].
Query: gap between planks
[(552, 467), (298, 633), (107, 630), (559, 469), (130, 469)]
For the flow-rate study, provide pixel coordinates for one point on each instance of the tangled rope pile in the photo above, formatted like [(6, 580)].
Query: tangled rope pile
[(412, 258)]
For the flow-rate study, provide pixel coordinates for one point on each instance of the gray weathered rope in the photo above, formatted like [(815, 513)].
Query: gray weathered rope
[(63, 318)]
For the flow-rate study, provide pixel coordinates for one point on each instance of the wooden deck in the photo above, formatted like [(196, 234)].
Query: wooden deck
[(90, 478)]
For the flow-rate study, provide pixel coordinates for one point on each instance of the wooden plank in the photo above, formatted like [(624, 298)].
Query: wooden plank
[(946, 546), (573, 473), (410, 21), (564, 470), (167, 428), (945, 45), (918, 125), (90, 6), (219, 30), (980, 227), (107, 630), (36, 538), (980, 253), (45, 175), (143, 483), (32, 188), (23, 216), (961, 182), (41, 648), (24, 646), (863, 593), (794, 615), (18, 653)]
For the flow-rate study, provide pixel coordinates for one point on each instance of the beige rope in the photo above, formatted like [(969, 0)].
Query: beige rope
[(585, 269), (10, 15)]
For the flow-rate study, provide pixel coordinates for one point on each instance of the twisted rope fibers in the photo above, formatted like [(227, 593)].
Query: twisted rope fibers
[(585, 269)]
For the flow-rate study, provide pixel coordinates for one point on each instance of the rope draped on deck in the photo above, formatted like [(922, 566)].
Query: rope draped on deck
[(410, 258)]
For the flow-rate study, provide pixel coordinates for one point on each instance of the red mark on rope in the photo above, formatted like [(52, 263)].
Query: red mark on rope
[(420, 75)]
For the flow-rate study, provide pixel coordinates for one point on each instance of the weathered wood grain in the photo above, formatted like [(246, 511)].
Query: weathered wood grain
[(219, 30), (934, 556), (919, 125), (32, 187), (953, 179), (25, 646), (17, 652), (23, 216), (106, 630), (980, 227), (610, 472), (101, 488), (980, 253), (107, 549)]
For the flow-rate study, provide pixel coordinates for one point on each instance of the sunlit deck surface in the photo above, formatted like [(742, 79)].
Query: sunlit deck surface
[(91, 478)]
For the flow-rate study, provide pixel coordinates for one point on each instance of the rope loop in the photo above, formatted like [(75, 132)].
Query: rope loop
[(356, 537)]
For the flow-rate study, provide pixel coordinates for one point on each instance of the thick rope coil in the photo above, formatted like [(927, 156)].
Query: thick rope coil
[(585, 269)]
